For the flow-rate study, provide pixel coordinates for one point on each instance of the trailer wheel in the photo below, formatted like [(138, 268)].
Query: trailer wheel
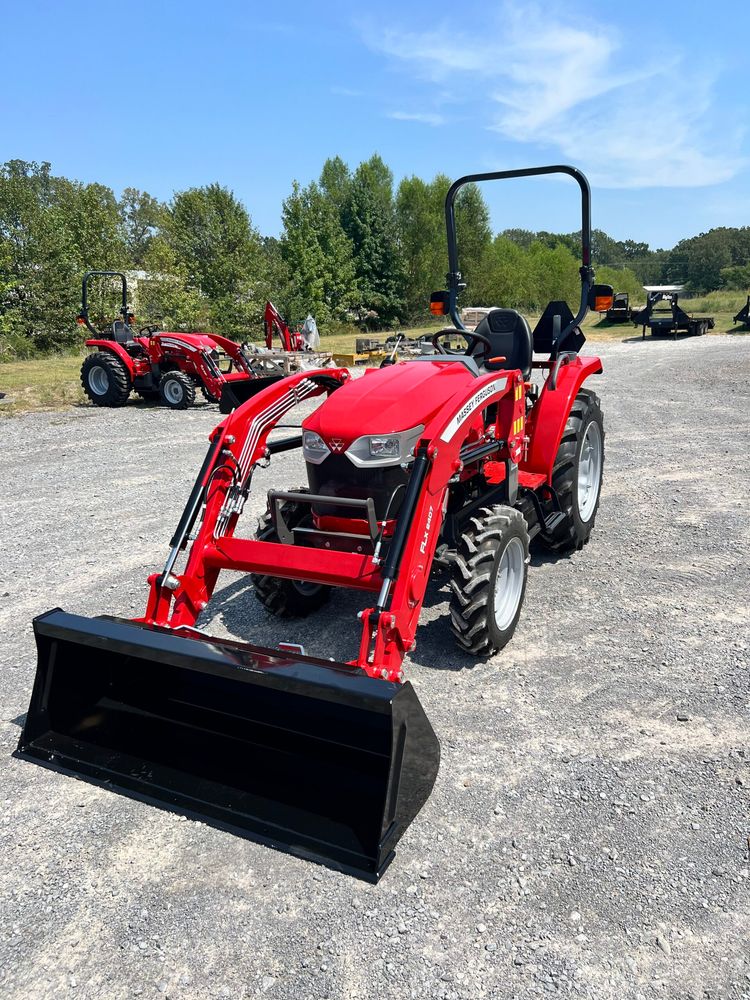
[(287, 598), (176, 390), (578, 471), (105, 379), (488, 581)]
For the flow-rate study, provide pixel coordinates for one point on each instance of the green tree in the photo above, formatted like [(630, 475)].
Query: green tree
[(506, 280), (141, 216), (369, 220), (51, 230), (736, 277), (336, 182), (421, 224), (166, 297), (553, 276), (474, 238), (212, 238), (318, 257)]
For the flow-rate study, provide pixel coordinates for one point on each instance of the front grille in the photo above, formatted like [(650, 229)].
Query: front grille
[(336, 476)]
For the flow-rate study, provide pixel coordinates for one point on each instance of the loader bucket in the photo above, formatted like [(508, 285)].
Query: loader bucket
[(237, 391), (307, 755)]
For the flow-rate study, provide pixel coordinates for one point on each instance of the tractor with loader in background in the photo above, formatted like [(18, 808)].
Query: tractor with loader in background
[(169, 367), (454, 462)]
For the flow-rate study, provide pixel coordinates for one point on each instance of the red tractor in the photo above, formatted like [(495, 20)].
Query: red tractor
[(454, 462), (159, 365)]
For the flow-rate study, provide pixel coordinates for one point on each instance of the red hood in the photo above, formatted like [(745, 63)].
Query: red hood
[(203, 340), (387, 400)]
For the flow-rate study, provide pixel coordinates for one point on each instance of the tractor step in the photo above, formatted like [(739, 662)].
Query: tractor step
[(555, 523)]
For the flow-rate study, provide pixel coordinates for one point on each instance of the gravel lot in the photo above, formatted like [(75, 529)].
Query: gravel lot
[(588, 832)]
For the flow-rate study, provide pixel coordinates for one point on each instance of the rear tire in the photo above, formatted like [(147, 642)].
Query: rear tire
[(287, 598), (578, 470), (177, 390), (488, 581), (105, 379)]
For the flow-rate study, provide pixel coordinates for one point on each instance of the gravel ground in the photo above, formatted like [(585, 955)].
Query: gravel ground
[(587, 835)]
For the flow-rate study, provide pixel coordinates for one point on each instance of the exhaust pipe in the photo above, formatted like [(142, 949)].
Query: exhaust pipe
[(307, 755)]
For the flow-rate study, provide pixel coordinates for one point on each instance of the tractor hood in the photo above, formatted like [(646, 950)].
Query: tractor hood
[(202, 341), (387, 400)]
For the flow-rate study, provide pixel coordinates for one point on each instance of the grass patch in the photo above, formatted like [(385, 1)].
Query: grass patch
[(45, 384)]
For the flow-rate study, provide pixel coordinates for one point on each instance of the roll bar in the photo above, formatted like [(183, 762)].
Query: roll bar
[(587, 275), (84, 313)]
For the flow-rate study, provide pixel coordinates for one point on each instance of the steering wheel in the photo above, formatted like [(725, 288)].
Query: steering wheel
[(472, 340)]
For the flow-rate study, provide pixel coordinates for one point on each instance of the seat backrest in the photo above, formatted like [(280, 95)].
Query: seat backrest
[(122, 332), (510, 337)]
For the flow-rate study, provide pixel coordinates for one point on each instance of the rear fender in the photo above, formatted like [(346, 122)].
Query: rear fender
[(546, 422), (118, 350)]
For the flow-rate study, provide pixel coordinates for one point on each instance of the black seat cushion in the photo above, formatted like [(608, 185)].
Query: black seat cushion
[(510, 337)]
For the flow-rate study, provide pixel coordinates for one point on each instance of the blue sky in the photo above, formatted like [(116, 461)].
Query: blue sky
[(650, 99)]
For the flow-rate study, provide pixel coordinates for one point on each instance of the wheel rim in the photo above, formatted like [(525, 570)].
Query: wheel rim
[(509, 583), (589, 471), (98, 380), (173, 391), (305, 588)]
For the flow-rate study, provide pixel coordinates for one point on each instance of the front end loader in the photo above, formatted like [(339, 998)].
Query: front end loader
[(454, 462)]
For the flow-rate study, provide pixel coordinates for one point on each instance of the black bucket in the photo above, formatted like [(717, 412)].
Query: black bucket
[(238, 391), (307, 755)]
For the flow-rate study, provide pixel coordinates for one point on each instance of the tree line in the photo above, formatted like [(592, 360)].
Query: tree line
[(354, 249)]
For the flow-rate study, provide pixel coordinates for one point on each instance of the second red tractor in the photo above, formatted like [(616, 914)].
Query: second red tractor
[(156, 364)]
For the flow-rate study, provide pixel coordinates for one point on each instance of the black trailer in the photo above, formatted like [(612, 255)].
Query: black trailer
[(671, 319), (620, 311), (743, 316)]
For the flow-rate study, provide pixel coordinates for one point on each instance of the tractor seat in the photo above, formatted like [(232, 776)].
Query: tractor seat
[(122, 333), (510, 336)]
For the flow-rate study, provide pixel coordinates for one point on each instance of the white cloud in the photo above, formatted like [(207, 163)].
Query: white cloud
[(425, 117), (540, 80), (347, 92)]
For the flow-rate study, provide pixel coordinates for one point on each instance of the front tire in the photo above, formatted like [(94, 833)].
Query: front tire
[(488, 581), (105, 379), (208, 395), (287, 598), (177, 390), (578, 470)]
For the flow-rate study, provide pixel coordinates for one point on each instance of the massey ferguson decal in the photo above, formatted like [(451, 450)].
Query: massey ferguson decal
[(481, 398)]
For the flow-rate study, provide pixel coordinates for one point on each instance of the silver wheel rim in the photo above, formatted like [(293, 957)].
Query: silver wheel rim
[(98, 380), (509, 583), (173, 391), (305, 588), (589, 471)]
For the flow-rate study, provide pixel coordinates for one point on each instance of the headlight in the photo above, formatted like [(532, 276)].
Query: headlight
[(314, 448), (373, 450), (385, 447)]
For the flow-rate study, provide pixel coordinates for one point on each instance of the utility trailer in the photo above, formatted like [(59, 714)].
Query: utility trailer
[(620, 311), (671, 319), (743, 316)]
